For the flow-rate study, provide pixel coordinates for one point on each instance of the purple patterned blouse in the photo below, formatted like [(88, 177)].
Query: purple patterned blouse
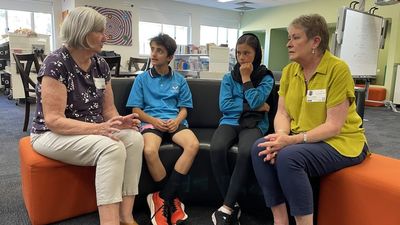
[(85, 92)]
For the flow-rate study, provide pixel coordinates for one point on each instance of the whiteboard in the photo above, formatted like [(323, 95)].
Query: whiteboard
[(396, 96), (357, 41)]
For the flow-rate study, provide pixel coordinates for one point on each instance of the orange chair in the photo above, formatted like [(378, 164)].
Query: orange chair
[(52, 190), (366, 194), (376, 96)]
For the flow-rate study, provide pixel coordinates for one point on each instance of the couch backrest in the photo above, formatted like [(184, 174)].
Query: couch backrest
[(205, 93), (121, 89)]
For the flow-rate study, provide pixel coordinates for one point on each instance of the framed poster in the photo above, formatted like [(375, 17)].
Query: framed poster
[(119, 25)]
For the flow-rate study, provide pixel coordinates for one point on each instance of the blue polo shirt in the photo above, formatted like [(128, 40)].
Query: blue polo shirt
[(160, 96)]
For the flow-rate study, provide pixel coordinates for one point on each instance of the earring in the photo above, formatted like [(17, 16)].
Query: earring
[(313, 51)]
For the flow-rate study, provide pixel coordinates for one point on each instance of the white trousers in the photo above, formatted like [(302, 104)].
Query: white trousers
[(118, 163)]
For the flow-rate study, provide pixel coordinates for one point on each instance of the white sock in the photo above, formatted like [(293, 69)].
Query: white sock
[(225, 210)]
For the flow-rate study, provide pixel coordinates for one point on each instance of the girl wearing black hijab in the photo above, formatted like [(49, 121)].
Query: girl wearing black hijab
[(243, 103)]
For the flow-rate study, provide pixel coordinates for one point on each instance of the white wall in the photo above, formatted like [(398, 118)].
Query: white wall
[(278, 17), (44, 6), (197, 14)]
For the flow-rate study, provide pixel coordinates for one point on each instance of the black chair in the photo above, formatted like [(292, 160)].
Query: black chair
[(135, 63), (113, 61), (39, 53), (24, 65)]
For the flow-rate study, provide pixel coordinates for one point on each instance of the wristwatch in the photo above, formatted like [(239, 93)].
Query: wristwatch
[(304, 137)]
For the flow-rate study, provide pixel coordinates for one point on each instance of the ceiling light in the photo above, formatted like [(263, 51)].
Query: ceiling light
[(243, 6)]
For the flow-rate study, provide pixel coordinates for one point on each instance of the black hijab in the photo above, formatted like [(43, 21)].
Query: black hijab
[(250, 118), (259, 71)]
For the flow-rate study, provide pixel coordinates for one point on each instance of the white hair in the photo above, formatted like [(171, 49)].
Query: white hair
[(78, 24)]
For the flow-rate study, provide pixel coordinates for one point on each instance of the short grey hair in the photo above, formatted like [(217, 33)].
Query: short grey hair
[(78, 24), (314, 25)]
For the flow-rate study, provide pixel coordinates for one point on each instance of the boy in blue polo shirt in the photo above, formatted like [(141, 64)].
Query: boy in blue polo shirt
[(160, 97)]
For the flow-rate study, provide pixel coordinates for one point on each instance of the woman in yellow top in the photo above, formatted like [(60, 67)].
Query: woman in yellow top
[(317, 126)]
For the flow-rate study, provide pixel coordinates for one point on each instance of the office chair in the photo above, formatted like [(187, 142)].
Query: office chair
[(135, 62), (113, 61), (24, 66)]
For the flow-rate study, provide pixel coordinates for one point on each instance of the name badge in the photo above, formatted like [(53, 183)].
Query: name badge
[(100, 83), (318, 95)]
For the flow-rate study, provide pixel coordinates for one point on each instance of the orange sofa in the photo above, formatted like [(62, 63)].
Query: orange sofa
[(52, 190), (366, 194)]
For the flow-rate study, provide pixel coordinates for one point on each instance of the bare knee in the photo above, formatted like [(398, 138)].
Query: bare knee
[(151, 153), (192, 148)]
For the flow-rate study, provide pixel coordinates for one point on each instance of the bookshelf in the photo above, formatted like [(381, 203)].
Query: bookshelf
[(193, 65)]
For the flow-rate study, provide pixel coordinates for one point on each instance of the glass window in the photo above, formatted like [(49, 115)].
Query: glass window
[(218, 35), (169, 29), (42, 23), (18, 20), (232, 37), (3, 25), (181, 35), (148, 30), (222, 35), (208, 35)]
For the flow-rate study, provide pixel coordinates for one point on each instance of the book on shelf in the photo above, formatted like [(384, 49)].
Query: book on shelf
[(191, 49), (191, 62)]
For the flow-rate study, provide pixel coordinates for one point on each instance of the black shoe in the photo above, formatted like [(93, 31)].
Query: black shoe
[(236, 215), (221, 218)]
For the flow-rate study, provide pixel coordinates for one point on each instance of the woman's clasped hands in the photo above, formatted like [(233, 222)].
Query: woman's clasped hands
[(117, 123), (273, 144)]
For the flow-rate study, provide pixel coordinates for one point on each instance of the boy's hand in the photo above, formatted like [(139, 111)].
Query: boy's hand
[(172, 125), (160, 124)]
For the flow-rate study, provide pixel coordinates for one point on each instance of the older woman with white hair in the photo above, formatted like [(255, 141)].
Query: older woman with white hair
[(77, 123)]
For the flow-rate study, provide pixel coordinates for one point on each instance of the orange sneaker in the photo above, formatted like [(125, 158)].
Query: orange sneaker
[(177, 210), (158, 209)]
